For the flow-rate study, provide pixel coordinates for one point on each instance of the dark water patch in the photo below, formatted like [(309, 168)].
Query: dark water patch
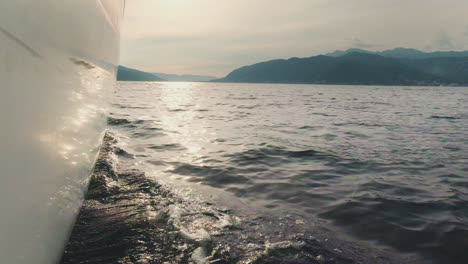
[(308, 127), (257, 157), (152, 128), (360, 124), (157, 162), (117, 121), (134, 124), (375, 103), (392, 190), (217, 117), (444, 117), (324, 114), (242, 98), (459, 183), (241, 116), (423, 227), (276, 156), (280, 105), (357, 135), (148, 126), (248, 106), (164, 147), (122, 106), (177, 110), (213, 176), (139, 122), (453, 148), (328, 136), (316, 175), (450, 175), (145, 135), (284, 192)]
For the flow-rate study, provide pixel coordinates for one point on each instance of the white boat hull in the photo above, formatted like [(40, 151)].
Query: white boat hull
[(57, 67)]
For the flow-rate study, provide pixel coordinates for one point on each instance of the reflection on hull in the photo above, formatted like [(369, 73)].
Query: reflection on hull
[(57, 65)]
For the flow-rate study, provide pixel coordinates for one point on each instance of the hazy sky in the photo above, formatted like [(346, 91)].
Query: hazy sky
[(216, 36)]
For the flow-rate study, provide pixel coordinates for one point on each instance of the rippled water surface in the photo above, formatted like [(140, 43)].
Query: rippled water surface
[(387, 165)]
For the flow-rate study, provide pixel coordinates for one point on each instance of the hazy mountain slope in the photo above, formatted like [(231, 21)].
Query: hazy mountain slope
[(339, 53), (453, 69), (294, 70), (358, 68), (404, 53), (184, 77), (352, 68), (128, 74)]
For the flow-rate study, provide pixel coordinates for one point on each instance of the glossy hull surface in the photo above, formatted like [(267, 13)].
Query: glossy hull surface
[(57, 68)]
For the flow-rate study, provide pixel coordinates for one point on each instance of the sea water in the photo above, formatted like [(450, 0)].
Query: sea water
[(379, 165)]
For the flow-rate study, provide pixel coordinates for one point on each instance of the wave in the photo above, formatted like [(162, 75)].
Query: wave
[(372, 217), (130, 218)]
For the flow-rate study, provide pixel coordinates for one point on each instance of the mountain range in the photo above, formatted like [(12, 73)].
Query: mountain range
[(128, 74), (404, 53), (399, 66)]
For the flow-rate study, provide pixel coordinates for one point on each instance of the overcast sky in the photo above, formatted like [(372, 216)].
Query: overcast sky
[(216, 36)]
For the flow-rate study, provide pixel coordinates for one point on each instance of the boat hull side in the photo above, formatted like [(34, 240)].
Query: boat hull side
[(58, 63)]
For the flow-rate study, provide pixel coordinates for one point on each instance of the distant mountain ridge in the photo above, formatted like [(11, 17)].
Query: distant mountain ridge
[(404, 53), (392, 67), (128, 74), (184, 77)]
